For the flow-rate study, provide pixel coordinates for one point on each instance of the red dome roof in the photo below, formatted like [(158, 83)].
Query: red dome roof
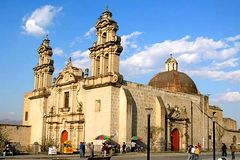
[(174, 81)]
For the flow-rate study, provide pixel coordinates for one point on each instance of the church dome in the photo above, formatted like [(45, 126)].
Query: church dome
[(173, 80)]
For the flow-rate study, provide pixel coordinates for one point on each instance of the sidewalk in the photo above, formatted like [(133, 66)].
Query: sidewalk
[(41, 156), (75, 156)]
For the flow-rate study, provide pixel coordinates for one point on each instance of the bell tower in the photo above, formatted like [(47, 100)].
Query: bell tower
[(44, 69), (105, 52)]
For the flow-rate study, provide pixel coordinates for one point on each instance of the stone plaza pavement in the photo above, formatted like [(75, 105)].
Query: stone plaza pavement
[(128, 156)]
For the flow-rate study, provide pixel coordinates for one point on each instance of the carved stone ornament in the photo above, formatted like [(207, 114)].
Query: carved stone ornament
[(177, 113), (115, 78)]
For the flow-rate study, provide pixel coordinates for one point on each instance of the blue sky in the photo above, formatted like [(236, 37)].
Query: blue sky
[(204, 36)]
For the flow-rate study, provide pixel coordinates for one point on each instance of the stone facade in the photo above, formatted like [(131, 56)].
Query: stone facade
[(17, 133), (77, 106), (230, 124)]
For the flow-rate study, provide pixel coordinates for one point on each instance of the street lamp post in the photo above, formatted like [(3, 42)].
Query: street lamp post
[(214, 120), (149, 111)]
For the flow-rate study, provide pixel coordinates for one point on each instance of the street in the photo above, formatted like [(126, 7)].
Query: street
[(128, 156), (168, 156)]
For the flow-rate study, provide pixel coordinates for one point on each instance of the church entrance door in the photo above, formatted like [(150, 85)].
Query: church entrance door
[(175, 140), (64, 136)]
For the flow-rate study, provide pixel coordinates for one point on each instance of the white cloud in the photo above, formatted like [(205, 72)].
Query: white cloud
[(130, 40), (76, 54), (58, 51), (81, 59), (232, 62), (235, 38), (205, 56), (217, 74), (80, 54), (90, 32), (230, 97), (228, 52), (188, 58), (40, 19), (75, 41)]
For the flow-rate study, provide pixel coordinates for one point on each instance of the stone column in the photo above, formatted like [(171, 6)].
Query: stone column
[(73, 97), (71, 134), (93, 66), (44, 79), (101, 64), (57, 136), (58, 96), (169, 134), (40, 80), (115, 63), (184, 139), (35, 81), (110, 69)]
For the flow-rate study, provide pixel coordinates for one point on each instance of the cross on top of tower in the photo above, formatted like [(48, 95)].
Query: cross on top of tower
[(107, 13), (107, 10), (46, 41)]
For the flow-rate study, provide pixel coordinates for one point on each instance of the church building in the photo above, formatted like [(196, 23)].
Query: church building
[(77, 106)]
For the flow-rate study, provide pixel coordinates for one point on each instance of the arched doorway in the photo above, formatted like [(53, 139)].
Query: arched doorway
[(64, 136), (175, 140)]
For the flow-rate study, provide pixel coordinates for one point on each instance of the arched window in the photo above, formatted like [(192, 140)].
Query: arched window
[(98, 66), (106, 63), (104, 37)]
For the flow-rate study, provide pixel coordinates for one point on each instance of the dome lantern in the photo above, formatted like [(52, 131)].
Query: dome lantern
[(171, 64)]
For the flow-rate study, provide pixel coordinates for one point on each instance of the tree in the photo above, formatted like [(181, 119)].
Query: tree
[(48, 143), (155, 137), (3, 139)]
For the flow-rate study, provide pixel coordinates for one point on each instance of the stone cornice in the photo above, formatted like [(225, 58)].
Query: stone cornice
[(40, 93), (105, 22), (102, 85), (117, 47), (66, 83), (115, 80), (50, 66)]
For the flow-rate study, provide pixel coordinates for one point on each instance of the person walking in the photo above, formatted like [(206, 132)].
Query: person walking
[(233, 149), (92, 149), (133, 146), (124, 147), (189, 151), (224, 150), (81, 149), (199, 147), (192, 153), (105, 149), (196, 153)]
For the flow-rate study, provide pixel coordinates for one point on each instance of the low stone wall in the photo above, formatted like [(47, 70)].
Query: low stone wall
[(17, 133)]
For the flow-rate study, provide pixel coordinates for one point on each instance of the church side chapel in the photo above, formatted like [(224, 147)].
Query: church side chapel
[(78, 107)]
